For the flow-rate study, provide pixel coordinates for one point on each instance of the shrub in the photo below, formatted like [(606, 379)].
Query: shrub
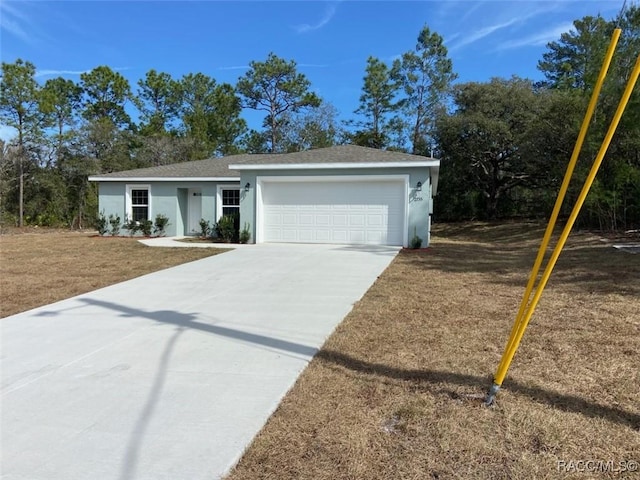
[(146, 226), (416, 241), (245, 234), (205, 228), (114, 221), (132, 226), (226, 228), (101, 224), (160, 225)]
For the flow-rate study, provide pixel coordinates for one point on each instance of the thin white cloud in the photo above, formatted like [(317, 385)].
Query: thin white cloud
[(44, 73), (471, 10), (537, 39), (483, 32), (328, 15), (512, 13), (14, 22), (49, 72), (235, 67)]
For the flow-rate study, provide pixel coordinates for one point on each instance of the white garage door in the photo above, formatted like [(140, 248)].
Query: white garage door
[(358, 212)]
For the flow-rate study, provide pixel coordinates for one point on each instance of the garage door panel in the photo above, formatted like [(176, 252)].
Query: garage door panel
[(334, 212), (305, 235), (374, 237), (273, 220), (323, 220), (288, 235), (376, 220), (357, 236), (356, 220), (306, 219), (339, 220)]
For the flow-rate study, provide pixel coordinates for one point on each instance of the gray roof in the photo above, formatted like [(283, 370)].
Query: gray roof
[(219, 167), (336, 154), (211, 167)]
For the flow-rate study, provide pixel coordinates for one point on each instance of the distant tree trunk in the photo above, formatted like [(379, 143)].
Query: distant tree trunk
[(21, 174), (273, 133), (416, 135), (21, 193)]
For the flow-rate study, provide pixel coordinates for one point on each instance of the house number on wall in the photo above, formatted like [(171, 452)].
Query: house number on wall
[(418, 199)]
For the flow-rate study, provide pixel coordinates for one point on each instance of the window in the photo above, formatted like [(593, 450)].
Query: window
[(138, 202), (230, 202)]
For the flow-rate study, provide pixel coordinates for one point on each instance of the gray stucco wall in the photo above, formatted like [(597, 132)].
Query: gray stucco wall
[(420, 202), (167, 198)]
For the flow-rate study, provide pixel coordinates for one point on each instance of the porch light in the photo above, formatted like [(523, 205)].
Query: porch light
[(247, 187), (419, 186)]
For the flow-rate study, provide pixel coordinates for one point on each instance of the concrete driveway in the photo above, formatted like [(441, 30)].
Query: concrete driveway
[(170, 375)]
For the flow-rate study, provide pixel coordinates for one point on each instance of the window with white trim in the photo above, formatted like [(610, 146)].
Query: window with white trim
[(230, 201), (138, 202)]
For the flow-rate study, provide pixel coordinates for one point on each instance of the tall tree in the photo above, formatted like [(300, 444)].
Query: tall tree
[(571, 65), (211, 115), (484, 138), (105, 95), (574, 61), (317, 127), (376, 102), (60, 100), (255, 142), (19, 96), (275, 87), (425, 75), (158, 100)]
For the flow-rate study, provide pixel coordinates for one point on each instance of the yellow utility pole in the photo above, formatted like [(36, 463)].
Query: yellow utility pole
[(526, 310)]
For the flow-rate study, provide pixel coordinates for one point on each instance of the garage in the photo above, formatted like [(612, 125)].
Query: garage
[(336, 210)]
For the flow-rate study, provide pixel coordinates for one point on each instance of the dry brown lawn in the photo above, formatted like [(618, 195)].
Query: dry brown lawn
[(395, 393), (38, 267)]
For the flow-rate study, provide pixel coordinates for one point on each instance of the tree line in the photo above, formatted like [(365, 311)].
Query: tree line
[(504, 143)]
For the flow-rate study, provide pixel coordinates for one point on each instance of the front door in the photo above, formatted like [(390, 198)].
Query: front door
[(195, 210)]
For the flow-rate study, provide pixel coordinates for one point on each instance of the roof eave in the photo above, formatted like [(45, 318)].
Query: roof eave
[(98, 178), (327, 166)]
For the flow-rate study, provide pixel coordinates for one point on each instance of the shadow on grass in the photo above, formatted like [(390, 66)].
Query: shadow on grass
[(428, 378)]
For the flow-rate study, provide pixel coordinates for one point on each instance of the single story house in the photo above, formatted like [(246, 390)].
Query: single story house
[(344, 194)]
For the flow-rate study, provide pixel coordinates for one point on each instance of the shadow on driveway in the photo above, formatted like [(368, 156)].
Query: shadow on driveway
[(183, 322)]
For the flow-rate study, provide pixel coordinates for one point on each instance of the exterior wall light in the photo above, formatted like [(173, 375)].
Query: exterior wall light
[(247, 187), (419, 186)]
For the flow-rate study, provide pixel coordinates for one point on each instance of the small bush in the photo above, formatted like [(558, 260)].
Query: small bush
[(226, 228), (245, 234), (132, 226), (101, 224), (114, 221), (146, 226), (205, 228), (416, 241), (160, 225)]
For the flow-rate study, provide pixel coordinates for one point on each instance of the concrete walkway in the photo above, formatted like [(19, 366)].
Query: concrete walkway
[(170, 375)]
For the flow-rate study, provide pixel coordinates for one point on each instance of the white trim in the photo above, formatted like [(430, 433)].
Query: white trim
[(128, 211), (326, 166), (330, 178), (163, 179), (219, 198)]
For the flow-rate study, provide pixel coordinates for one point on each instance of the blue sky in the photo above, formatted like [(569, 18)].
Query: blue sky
[(330, 41)]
